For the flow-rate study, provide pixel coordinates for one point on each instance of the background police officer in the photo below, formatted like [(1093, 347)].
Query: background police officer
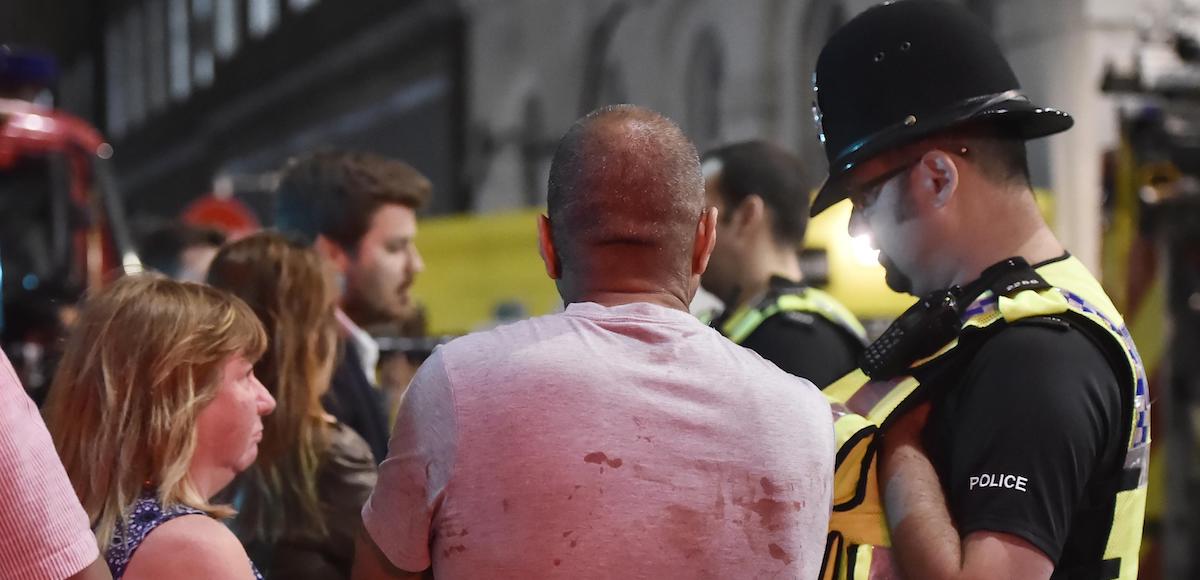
[(760, 193), (1029, 461)]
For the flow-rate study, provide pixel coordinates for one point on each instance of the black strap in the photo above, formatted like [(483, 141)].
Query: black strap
[(1013, 275), (852, 559), (1110, 569), (1129, 479), (860, 490), (834, 543), (1102, 570)]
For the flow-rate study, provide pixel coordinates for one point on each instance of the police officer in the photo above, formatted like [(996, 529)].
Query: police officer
[(1000, 427), (759, 191)]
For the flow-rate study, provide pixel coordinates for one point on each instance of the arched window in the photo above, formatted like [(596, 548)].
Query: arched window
[(602, 81), (227, 14), (114, 84), (135, 73), (534, 156), (704, 80), (262, 17), (820, 21), (203, 37), (179, 50), (156, 55), (985, 10), (612, 86)]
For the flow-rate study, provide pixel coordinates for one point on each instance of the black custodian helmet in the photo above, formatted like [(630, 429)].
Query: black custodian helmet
[(904, 70)]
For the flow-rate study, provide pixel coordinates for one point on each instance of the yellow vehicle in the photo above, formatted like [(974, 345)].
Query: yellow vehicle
[(481, 264)]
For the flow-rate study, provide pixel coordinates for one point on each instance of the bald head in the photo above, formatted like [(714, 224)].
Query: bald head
[(625, 194)]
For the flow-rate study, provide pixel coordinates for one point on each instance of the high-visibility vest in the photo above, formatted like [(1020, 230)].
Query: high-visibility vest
[(858, 539), (802, 299)]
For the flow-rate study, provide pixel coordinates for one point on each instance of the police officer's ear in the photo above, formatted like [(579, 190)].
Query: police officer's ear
[(749, 213), (936, 178), (546, 248)]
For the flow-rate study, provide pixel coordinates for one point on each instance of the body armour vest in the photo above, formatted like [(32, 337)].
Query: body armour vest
[(864, 406), (745, 320)]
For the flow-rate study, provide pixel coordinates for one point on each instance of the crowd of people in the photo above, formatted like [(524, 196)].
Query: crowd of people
[(224, 419)]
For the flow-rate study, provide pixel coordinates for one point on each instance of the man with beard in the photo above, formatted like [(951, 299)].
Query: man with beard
[(359, 212), (1010, 400), (759, 191)]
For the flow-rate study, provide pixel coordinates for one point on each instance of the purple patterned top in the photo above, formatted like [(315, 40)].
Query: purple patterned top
[(147, 514)]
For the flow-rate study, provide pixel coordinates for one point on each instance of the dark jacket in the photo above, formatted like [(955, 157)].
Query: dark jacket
[(356, 403), (344, 481)]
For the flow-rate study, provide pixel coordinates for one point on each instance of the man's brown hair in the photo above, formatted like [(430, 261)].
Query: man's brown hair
[(336, 193)]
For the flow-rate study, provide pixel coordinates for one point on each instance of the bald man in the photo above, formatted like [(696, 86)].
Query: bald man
[(621, 438)]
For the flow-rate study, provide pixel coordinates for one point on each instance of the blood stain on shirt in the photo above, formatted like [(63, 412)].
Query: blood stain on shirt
[(600, 458), (779, 554)]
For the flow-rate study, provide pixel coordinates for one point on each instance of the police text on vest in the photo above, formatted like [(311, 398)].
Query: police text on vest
[(1001, 480)]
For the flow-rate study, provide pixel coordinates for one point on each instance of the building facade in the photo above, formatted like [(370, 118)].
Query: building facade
[(740, 70), (476, 92)]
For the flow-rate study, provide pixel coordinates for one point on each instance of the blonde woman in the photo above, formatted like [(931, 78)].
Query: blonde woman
[(299, 505), (154, 409)]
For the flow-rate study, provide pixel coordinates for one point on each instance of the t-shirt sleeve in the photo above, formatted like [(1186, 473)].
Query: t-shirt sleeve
[(805, 345), (45, 530), (1041, 407), (401, 511)]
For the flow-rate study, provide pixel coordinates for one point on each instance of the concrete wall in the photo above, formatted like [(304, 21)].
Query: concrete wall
[(1059, 50), (537, 49)]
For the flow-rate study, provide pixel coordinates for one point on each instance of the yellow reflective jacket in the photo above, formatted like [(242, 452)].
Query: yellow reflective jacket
[(746, 319), (858, 538)]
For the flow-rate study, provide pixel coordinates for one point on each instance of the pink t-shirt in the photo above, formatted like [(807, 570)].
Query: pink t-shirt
[(622, 442), (45, 531)]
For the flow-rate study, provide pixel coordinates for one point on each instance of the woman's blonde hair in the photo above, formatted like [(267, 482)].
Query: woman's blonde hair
[(143, 360), (286, 285)]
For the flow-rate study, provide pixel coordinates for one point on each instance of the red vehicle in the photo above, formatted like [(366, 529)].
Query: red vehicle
[(62, 217), (62, 224)]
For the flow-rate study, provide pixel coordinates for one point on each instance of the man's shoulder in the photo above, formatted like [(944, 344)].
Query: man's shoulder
[(487, 350), (1043, 339), (806, 345), (768, 378), (1043, 360), (557, 339), (805, 329), (508, 336)]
